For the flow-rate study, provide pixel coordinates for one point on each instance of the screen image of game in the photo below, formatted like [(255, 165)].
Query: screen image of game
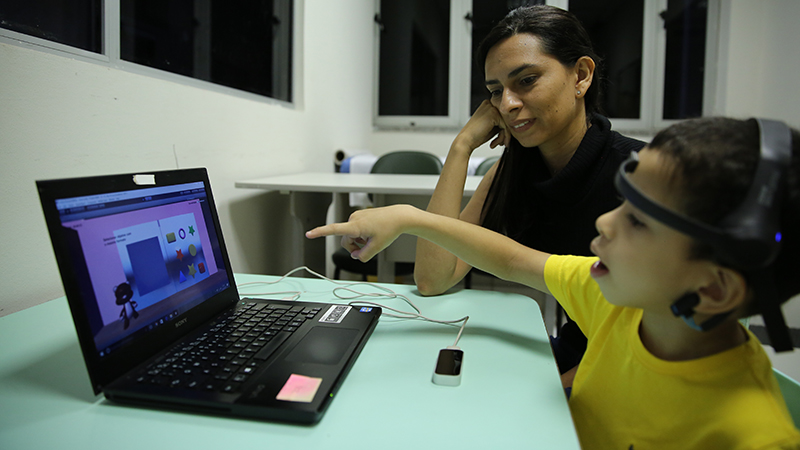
[(147, 263)]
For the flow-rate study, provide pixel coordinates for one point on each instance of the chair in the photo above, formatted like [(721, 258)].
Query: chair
[(485, 165), (791, 394), (404, 162), (408, 162)]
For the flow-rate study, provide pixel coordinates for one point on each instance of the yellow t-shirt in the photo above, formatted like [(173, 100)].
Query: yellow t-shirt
[(624, 398)]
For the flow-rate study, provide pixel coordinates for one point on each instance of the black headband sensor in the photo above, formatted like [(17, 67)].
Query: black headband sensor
[(749, 238)]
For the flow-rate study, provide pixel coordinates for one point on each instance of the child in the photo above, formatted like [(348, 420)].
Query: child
[(667, 365)]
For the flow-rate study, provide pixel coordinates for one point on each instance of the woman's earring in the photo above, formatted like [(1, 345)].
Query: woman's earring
[(579, 92)]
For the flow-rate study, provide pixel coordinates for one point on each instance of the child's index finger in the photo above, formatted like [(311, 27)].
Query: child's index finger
[(327, 230), (318, 232)]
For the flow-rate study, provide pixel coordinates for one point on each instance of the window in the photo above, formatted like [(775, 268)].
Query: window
[(655, 57), (245, 46), (686, 25), (420, 64), (616, 30), (77, 23), (654, 54), (415, 51)]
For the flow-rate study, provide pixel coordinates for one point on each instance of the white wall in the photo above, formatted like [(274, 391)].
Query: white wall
[(60, 117), (761, 52)]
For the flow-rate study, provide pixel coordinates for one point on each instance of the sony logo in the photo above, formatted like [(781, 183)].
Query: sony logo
[(181, 322)]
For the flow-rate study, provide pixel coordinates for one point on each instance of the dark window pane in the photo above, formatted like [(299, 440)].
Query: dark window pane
[(76, 23), (414, 58), (243, 45), (685, 22), (616, 29)]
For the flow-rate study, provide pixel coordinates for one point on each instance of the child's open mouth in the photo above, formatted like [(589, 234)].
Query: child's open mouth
[(598, 269)]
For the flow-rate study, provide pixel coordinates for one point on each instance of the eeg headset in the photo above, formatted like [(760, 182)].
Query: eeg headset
[(748, 239)]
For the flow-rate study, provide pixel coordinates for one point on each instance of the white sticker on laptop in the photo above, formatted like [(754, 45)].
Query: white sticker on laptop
[(335, 314)]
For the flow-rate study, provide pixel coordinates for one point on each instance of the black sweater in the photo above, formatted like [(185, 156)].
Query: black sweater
[(557, 214)]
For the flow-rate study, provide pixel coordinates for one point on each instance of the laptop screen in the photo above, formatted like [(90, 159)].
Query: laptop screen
[(144, 257)]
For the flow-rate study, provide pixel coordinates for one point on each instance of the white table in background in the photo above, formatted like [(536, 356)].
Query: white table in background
[(313, 192)]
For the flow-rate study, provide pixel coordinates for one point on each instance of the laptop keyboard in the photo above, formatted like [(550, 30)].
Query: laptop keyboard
[(223, 358)]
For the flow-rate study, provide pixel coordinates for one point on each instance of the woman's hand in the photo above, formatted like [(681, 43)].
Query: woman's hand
[(368, 231), (484, 124)]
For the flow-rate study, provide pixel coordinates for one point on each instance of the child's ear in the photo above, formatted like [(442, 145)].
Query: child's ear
[(727, 290)]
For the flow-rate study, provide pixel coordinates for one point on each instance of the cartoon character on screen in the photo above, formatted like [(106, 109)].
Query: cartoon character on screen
[(124, 294)]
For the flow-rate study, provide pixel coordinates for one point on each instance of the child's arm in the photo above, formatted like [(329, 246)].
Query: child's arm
[(372, 230)]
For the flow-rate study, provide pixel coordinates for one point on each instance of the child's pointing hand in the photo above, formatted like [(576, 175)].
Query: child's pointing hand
[(368, 231)]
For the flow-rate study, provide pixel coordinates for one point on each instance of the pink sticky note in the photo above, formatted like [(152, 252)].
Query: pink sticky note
[(299, 388)]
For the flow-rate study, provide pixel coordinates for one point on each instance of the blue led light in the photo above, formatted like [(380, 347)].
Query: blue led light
[(778, 237)]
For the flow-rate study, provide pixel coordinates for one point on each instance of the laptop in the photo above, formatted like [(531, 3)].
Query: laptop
[(158, 316)]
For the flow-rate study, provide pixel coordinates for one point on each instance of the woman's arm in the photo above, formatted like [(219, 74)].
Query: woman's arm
[(436, 269), (372, 230)]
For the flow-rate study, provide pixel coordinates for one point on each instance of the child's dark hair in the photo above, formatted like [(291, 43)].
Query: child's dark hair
[(562, 36), (716, 163)]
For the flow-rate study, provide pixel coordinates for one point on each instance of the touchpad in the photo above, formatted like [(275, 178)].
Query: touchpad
[(323, 345)]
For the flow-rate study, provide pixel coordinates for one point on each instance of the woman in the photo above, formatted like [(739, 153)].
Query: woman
[(555, 176)]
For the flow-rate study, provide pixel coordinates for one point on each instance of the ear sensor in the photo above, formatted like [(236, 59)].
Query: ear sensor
[(684, 306)]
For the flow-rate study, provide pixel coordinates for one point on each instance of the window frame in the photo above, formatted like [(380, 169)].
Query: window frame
[(653, 65), (110, 55), (458, 75), (654, 48)]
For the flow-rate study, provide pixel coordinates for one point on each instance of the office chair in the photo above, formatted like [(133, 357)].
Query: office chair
[(485, 165), (404, 162)]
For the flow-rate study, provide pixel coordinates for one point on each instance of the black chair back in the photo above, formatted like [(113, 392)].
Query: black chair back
[(408, 162)]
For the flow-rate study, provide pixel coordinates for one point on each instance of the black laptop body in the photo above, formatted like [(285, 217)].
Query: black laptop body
[(158, 316)]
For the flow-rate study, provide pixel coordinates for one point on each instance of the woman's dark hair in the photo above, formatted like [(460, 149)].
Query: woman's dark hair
[(716, 160), (562, 36)]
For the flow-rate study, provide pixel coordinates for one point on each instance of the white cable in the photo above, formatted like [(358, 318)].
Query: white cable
[(348, 287)]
